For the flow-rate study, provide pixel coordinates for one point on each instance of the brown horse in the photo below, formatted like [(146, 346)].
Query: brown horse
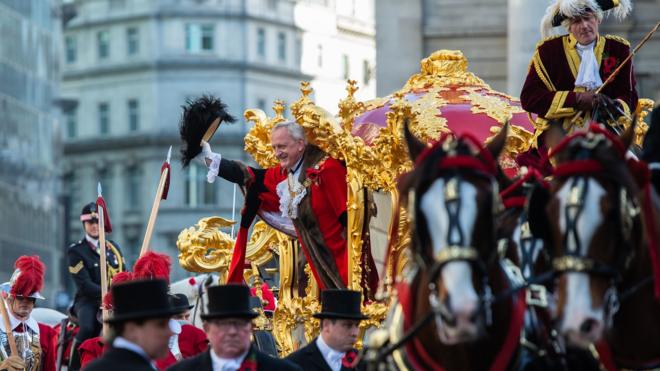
[(445, 306), (601, 233)]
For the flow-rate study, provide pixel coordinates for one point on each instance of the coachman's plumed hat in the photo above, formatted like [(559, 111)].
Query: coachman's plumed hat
[(340, 304), (561, 10), (28, 279)]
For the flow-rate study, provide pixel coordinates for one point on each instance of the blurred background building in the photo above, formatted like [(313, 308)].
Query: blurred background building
[(129, 65), (30, 215)]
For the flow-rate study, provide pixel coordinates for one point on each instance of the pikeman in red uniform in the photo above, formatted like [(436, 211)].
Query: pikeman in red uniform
[(33, 340), (566, 71), (304, 196)]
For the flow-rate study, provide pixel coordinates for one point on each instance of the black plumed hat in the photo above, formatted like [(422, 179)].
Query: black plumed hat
[(198, 116)]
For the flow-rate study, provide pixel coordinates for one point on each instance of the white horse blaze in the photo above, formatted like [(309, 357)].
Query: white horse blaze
[(456, 276), (578, 306)]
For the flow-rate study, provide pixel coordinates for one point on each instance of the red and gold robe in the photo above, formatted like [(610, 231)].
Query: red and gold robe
[(549, 90)]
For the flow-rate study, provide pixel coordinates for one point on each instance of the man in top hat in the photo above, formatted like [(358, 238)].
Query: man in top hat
[(228, 325), (304, 196), (333, 349), (84, 266), (139, 326), (566, 70), (34, 341)]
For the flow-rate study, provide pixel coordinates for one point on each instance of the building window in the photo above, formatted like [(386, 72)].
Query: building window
[(346, 67), (199, 37), (71, 120), (281, 46), (103, 44), (133, 108), (261, 42), (132, 41), (71, 49), (366, 72), (133, 181), (319, 55), (104, 118), (105, 178), (199, 192)]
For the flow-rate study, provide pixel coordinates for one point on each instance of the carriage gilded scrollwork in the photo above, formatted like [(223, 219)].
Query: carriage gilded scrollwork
[(444, 97)]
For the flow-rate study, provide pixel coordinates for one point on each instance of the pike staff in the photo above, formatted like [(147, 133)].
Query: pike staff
[(161, 194)]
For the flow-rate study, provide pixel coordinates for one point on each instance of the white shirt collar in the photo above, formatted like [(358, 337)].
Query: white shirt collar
[(332, 357), (226, 364), (31, 323), (122, 343), (93, 241)]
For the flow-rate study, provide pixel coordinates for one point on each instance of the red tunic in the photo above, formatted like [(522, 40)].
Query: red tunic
[(192, 341), (49, 352), (90, 350), (549, 90)]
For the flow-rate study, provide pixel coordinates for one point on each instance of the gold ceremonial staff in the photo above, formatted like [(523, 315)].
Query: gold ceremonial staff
[(103, 263)]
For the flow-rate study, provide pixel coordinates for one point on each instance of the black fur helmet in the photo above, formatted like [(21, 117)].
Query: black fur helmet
[(198, 115)]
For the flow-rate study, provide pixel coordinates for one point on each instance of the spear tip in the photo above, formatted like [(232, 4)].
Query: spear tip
[(99, 189), (169, 154)]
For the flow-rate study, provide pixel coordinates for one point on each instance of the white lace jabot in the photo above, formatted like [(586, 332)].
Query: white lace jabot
[(588, 75)]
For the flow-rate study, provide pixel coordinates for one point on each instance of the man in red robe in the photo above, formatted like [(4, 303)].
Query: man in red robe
[(34, 340), (566, 70), (305, 195)]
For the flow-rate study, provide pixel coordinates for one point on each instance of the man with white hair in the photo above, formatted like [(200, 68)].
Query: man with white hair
[(566, 70), (304, 196)]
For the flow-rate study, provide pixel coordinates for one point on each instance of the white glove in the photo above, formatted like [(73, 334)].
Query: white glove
[(211, 160)]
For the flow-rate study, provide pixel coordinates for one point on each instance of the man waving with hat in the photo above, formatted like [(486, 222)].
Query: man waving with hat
[(340, 325), (228, 325)]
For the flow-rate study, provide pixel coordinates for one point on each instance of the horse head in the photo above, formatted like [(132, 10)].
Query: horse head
[(591, 225), (452, 197)]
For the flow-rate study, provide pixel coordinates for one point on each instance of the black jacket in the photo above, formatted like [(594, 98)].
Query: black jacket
[(309, 358), (116, 359), (202, 362), (84, 267)]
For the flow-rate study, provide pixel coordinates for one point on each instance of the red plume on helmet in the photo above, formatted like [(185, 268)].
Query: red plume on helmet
[(117, 279), (28, 278), (153, 265)]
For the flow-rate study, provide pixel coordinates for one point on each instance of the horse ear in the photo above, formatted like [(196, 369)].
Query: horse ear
[(537, 201), (496, 145), (628, 135), (415, 146)]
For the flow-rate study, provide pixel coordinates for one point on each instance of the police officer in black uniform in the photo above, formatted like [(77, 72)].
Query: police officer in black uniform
[(84, 266)]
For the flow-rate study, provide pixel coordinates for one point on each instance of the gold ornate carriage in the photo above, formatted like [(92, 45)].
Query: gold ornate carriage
[(368, 136)]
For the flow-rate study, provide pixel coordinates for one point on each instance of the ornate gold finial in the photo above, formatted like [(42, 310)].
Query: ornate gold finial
[(278, 108), (443, 68), (304, 100), (349, 108)]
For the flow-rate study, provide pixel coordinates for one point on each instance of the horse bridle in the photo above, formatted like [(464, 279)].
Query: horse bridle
[(573, 261), (456, 250)]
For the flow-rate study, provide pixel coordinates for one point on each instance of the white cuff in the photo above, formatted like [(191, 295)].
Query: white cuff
[(214, 168)]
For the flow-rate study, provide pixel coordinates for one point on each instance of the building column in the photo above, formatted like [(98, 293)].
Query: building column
[(524, 19), (399, 40)]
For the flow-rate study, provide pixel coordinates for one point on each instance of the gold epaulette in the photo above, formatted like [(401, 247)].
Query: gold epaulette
[(548, 39), (619, 39)]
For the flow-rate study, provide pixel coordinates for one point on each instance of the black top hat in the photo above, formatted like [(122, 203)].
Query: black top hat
[(142, 299), (180, 302), (341, 304), (232, 300)]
